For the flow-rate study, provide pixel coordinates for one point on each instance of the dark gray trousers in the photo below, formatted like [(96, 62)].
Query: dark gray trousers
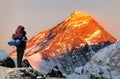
[(20, 53)]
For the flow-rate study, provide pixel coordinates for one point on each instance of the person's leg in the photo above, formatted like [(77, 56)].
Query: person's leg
[(20, 52)]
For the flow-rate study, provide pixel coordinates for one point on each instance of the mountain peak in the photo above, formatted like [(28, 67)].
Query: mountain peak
[(78, 14), (73, 33), (77, 19)]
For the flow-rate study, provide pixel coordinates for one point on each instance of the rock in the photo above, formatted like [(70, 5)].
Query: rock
[(8, 62), (55, 72), (25, 63), (23, 73)]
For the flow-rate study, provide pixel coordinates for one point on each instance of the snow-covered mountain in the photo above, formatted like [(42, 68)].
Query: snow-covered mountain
[(105, 64), (68, 45)]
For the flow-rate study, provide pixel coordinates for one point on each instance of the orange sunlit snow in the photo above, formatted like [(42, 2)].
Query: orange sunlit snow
[(74, 32)]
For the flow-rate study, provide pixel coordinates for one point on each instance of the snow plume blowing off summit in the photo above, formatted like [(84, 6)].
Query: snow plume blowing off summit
[(68, 45)]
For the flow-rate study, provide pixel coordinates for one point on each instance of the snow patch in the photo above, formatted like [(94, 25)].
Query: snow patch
[(92, 36)]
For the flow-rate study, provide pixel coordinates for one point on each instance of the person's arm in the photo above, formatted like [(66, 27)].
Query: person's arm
[(24, 38)]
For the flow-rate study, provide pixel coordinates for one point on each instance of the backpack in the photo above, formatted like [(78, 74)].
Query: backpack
[(19, 33)]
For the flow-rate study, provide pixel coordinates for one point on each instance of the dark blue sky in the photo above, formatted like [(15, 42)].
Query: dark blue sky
[(38, 15)]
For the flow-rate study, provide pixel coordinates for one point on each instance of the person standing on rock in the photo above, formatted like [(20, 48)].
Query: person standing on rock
[(19, 40)]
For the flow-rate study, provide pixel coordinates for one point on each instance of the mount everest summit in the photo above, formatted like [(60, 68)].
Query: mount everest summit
[(71, 44)]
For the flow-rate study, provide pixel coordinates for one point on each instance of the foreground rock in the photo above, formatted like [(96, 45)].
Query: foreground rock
[(20, 73), (6, 60)]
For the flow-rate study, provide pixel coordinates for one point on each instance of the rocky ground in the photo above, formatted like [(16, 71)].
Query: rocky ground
[(22, 73)]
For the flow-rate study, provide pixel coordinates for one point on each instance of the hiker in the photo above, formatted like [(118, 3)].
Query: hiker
[(19, 40)]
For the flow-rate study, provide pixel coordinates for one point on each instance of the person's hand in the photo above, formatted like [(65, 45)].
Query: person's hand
[(23, 39)]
